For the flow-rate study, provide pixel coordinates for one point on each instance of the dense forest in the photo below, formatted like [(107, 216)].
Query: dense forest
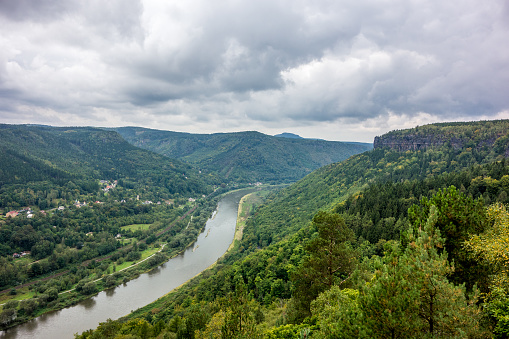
[(43, 165), (78, 204), (478, 135), (406, 240), (392, 243), (245, 156)]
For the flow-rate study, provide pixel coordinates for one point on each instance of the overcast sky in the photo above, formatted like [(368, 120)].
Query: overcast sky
[(331, 69)]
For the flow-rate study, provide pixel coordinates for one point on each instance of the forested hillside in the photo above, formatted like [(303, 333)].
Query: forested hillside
[(477, 135), (43, 160), (78, 203), (245, 156), (388, 243)]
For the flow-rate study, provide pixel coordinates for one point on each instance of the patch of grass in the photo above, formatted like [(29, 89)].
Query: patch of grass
[(148, 252), (135, 227), (22, 294), (124, 265)]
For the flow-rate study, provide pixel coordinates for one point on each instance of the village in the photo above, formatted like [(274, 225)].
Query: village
[(105, 186)]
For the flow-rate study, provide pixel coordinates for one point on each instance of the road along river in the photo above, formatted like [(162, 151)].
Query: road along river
[(212, 243)]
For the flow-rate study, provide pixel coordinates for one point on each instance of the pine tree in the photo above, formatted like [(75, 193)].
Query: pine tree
[(330, 260), (411, 296), (457, 217), (388, 302)]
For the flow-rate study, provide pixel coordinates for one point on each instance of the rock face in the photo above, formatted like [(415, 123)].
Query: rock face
[(476, 135), (414, 142), (407, 142)]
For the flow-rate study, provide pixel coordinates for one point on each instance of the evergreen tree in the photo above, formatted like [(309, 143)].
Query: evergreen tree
[(388, 302), (457, 217), (330, 261), (409, 296), (442, 307)]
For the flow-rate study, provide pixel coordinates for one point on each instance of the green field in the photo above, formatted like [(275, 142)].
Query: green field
[(135, 227)]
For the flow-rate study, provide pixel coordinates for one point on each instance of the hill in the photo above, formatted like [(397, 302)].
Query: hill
[(288, 135), (373, 192), (244, 156), (83, 156), (396, 158), (457, 135), (78, 202)]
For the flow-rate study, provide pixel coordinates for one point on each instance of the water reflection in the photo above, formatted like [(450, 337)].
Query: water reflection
[(155, 271), (210, 245), (88, 303), (110, 292)]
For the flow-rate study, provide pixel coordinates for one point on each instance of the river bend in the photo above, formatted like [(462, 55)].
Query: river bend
[(211, 244)]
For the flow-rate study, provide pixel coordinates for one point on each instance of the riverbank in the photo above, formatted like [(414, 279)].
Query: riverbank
[(31, 300), (246, 206), (239, 228), (33, 308), (115, 303)]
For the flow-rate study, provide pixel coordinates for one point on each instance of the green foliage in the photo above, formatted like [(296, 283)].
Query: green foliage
[(40, 165), (28, 306), (497, 308), (244, 156), (482, 136), (458, 217), (291, 331), (442, 307), (7, 316), (89, 288), (239, 319), (387, 302), (52, 294), (380, 211), (409, 296), (491, 248), (10, 304), (338, 313), (330, 261)]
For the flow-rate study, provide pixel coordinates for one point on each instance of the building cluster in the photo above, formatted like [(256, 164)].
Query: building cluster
[(79, 204), (108, 185), (20, 255), (25, 210)]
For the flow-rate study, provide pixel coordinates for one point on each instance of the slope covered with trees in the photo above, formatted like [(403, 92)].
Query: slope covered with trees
[(478, 135), (427, 256), (330, 185), (38, 161), (245, 156), (76, 203)]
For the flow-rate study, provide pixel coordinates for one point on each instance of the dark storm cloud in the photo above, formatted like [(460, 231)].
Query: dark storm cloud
[(21, 10), (304, 63), (232, 47)]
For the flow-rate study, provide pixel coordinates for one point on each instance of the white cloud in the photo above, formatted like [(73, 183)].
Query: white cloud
[(313, 66)]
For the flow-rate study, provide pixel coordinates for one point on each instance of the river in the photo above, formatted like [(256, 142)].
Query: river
[(211, 244)]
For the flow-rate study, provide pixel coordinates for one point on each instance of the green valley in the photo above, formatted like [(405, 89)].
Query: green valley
[(245, 156), (70, 199), (405, 240), (410, 213)]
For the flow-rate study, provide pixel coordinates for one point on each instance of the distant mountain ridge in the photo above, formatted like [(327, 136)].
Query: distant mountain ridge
[(31, 153), (288, 135), (245, 156)]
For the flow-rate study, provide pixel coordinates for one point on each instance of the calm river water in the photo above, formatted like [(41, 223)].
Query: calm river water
[(115, 303)]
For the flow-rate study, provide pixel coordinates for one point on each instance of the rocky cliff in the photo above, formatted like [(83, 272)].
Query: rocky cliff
[(476, 135)]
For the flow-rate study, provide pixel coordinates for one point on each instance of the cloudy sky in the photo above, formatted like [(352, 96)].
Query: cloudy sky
[(331, 69)]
